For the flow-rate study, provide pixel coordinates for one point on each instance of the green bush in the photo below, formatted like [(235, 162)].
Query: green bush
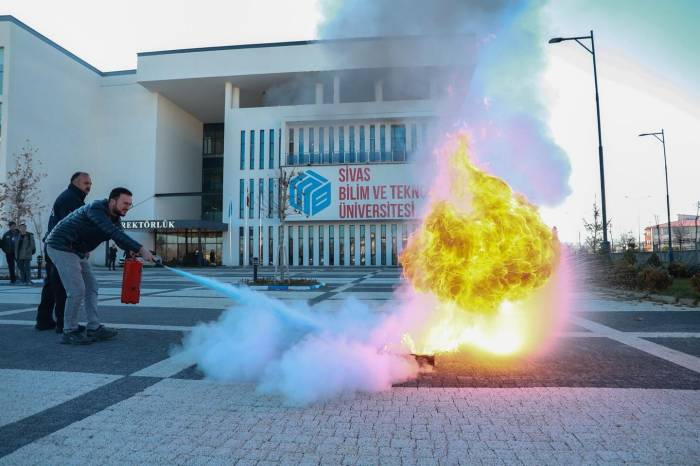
[(678, 270), (654, 261), (629, 256), (695, 282), (654, 279), (623, 275)]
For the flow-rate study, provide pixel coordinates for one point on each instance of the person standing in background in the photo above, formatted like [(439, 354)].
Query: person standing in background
[(24, 251), (9, 243)]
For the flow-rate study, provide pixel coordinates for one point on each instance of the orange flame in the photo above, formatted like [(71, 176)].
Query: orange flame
[(483, 252)]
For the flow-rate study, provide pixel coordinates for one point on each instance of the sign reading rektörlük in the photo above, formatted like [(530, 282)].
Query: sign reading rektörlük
[(355, 192)]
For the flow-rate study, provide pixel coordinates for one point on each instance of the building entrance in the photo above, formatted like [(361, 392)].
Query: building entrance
[(190, 247)]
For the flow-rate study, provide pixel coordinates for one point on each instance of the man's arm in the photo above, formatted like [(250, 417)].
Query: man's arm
[(112, 231)]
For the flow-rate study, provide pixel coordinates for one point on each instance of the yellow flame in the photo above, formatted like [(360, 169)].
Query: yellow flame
[(482, 252)]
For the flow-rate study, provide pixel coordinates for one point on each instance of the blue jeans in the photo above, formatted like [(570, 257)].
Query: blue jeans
[(81, 288)]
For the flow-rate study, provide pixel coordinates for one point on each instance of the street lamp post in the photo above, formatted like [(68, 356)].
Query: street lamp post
[(556, 40), (668, 203)]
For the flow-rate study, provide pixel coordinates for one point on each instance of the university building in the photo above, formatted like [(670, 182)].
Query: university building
[(206, 138)]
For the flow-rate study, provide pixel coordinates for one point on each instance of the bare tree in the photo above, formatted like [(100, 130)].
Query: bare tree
[(628, 241), (658, 231), (283, 210), (20, 194), (679, 237)]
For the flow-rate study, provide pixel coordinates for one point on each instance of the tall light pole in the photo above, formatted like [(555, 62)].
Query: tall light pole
[(556, 40), (668, 203)]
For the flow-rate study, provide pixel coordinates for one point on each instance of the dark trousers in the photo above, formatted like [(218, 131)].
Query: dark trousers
[(11, 266), (53, 298), (112, 263)]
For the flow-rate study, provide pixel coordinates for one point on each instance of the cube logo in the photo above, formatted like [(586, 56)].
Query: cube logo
[(309, 193)]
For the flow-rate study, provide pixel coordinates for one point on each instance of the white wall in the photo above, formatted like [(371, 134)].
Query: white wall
[(178, 161)]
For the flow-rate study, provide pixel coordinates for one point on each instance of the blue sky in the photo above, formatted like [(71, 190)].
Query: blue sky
[(648, 72)]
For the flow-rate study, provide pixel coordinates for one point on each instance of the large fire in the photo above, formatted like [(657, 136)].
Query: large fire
[(486, 257)]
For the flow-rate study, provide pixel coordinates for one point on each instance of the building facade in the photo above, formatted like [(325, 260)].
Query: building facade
[(685, 234), (300, 153)]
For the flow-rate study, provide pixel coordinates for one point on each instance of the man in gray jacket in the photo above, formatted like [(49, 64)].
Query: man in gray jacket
[(69, 244), (25, 248)]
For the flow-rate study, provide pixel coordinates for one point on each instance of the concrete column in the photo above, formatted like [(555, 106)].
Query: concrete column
[(228, 88), (336, 89), (434, 88), (319, 93), (236, 98), (379, 90)]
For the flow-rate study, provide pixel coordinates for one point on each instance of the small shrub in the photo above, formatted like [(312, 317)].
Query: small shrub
[(623, 275), (678, 270), (695, 282), (654, 279), (629, 256), (654, 261), (693, 269)]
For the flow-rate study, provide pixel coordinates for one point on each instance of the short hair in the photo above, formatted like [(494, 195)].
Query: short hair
[(76, 175), (12, 224), (116, 192), (23, 225)]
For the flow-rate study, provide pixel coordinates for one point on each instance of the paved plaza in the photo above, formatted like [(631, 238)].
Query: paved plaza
[(620, 386)]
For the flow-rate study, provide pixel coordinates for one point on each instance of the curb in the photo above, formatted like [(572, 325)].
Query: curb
[(288, 287), (657, 298)]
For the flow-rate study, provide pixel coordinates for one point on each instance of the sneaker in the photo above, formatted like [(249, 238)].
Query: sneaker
[(76, 337), (101, 333), (59, 328)]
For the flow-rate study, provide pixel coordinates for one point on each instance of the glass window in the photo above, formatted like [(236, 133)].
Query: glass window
[(252, 149), (290, 246), (280, 244), (259, 255), (320, 245), (383, 244), (261, 196), (373, 244), (300, 242), (312, 148), (362, 245), (250, 245), (341, 245), (398, 143), (270, 245), (382, 142), (251, 198), (271, 150), (372, 147), (351, 135), (394, 229), (291, 147), (2, 67), (320, 144), (242, 150), (363, 155), (302, 156), (341, 144), (404, 235), (262, 149), (352, 244), (311, 245), (270, 196), (331, 245), (331, 144), (241, 198)]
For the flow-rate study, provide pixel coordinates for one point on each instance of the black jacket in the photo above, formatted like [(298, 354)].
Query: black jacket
[(9, 241), (69, 200), (84, 229)]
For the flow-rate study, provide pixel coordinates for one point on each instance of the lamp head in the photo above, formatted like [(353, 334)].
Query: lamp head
[(555, 40)]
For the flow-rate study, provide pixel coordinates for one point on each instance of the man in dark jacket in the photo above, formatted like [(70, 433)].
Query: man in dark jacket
[(9, 244), (69, 244), (53, 295), (24, 251)]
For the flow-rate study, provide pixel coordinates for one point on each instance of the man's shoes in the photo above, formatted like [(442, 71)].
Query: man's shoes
[(101, 333), (59, 328), (76, 337), (45, 326)]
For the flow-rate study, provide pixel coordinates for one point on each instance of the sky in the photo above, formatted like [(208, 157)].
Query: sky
[(647, 69)]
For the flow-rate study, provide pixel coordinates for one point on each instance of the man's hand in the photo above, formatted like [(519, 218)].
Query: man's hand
[(146, 254)]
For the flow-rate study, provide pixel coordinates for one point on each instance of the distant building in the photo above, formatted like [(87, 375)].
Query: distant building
[(683, 234)]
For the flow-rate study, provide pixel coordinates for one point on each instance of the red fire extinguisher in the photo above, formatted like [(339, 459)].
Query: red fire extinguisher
[(131, 281)]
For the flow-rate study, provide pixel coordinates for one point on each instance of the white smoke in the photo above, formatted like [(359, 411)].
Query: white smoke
[(302, 354)]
